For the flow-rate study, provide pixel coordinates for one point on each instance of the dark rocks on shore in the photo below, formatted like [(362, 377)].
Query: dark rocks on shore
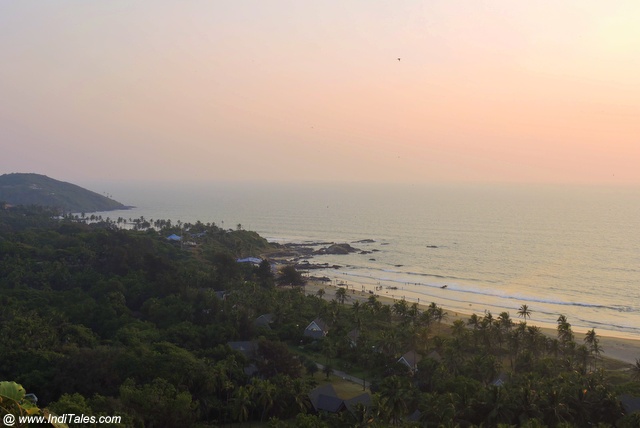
[(306, 244), (337, 249), (364, 241), (293, 250), (432, 246), (305, 265), (365, 252)]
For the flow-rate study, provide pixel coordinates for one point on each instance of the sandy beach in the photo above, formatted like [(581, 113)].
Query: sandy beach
[(621, 349)]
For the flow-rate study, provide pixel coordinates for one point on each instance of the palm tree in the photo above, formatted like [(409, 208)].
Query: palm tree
[(488, 317), (341, 295), (565, 335), (413, 313), (591, 338), (458, 329), (356, 307), (524, 312), (389, 342), (265, 392), (362, 415), (373, 304), (242, 403), (535, 340), (582, 354), (393, 392), (439, 314), (453, 357), (505, 324), (400, 308), (425, 319), (320, 293), (300, 395), (474, 320), (515, 339)]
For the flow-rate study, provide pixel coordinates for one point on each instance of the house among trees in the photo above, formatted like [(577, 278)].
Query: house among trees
[(326, 399), (317, 329), (174, 237), (353, 336), (500, 380), (246, 348), (411, 360), (263, 321), (253, 260)]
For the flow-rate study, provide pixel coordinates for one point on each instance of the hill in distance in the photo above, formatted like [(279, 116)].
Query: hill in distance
[(36, 189)]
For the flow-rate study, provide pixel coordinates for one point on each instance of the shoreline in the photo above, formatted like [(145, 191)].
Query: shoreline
[(626, 350)]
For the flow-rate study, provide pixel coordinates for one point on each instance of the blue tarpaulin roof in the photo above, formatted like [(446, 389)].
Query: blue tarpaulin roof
[(249, 260)]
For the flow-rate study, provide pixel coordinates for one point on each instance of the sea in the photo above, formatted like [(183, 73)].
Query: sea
[(571, 250)]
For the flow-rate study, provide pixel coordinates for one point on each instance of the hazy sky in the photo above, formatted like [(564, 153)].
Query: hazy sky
[(506, 91)]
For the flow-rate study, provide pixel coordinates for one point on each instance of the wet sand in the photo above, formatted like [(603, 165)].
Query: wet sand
[(621, 349)]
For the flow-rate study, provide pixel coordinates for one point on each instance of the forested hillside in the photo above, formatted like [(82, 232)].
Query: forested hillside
[(100, 319), (37, 189)]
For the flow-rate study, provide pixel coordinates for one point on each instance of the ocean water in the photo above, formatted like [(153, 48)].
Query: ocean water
[(558, 249)]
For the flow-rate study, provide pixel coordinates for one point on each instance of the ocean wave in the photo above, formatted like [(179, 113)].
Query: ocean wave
[(427, 275), (499, 294), (608, 326)]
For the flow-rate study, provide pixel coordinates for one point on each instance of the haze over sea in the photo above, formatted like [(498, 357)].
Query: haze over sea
[(572, 250)]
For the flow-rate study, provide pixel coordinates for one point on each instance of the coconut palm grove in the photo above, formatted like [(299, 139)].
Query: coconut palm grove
[(193, 325)]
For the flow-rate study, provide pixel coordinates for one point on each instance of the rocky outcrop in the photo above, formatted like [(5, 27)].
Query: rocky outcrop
[(305, 265), (337, 249)]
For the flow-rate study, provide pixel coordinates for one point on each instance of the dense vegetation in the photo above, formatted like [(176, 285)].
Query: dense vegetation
[(102, 319), (36, 189)]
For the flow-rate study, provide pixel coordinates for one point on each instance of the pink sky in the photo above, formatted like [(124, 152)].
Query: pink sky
[(496, 91)]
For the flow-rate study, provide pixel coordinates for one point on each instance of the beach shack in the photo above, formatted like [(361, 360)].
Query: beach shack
[(251, 260), (411, 360), (317, 329), (264, 321), (326, 399)]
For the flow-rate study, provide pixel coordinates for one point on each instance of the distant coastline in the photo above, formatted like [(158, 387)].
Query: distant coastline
[(40, 190), (569, 251)]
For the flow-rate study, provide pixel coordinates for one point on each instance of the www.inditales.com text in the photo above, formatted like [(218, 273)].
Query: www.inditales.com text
[(66, 418)]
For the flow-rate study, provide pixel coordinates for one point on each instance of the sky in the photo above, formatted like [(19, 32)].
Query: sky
[(300, 91)]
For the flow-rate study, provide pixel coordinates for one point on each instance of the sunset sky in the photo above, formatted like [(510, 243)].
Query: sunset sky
[(194, 90)]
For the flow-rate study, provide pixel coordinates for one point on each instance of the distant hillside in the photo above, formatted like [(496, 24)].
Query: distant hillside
[(36, 189)]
